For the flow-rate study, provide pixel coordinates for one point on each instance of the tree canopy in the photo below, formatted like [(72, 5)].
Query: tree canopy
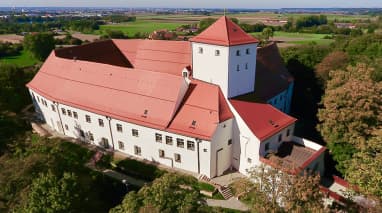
[(39, 44)]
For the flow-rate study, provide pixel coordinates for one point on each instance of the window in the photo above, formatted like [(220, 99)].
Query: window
[(121, 145), (69, 113), (53, 108), (191, 145), (66, 127), (177, 158), (205, 150), (88, 118), (185, 74), (238, 67), (137, 150), (91, 136), (63, 111), (288, 132), (119, 127), (75, 115), (180, 143), (38, 99), (249, 160), (246, 66), (237, 52), (280, 137), (229, 142), (161, 153), (248, 51), (135, 132), (82, 133), (275, 101), (104, 143), (217, 52), (100, 122), (200, 50), (168, 140), (266, 147), (158, 137)]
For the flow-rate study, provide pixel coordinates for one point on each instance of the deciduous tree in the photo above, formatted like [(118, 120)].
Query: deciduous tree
[(40, 44)]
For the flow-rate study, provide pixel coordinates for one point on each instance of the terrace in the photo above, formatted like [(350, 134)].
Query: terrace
[(296, 156)]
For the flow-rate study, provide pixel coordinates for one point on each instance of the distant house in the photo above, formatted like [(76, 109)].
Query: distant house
[(162, 35), (208, 105), (345, 25)]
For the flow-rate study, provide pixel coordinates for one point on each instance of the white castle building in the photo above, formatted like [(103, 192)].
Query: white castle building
[(214, 103)]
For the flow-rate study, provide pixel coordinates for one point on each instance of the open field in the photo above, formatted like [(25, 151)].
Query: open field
[(286, 39), (23, 60), (12, 38), (142, 26)]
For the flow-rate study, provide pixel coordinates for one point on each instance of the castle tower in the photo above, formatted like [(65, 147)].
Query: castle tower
[(225, 55)]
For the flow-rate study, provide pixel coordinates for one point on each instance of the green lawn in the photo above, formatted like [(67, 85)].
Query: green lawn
[(299, 38), (25, 59), (142, 26)]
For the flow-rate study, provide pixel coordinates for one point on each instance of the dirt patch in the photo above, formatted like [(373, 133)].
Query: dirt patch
[(85, 37), (12, 38)]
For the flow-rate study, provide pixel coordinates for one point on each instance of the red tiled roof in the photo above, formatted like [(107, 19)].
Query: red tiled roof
[(263, 119), (157, 55), (124, 93), (224, 32)]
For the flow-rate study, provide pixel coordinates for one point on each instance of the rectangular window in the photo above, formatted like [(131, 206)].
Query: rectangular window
[(82, 133), (180, 143), (121, 145), (91, 136), (161, 153), (38, 99), (66, 127), (200, 50), (135, 132), (217, 52), (137, 150), (246, 66), (119, 127), (168, 140), (238, 67), (63, 111), (87, 117), (248, 51), (105, 143), (177, 158), (280, 137), (53, 108), (288, 132), (100, 122), (249, 160), (158, 137), (75, 115), (191, 145), (237, 52), (266, 147), (69, 113), (229, 142)]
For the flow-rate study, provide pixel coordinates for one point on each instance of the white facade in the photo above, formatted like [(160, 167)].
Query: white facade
[(233, 68), (210, 158)]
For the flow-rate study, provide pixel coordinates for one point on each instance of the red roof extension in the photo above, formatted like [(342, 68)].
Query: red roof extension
[(263, 119), (125, 93), (156, 55), (224, 32)]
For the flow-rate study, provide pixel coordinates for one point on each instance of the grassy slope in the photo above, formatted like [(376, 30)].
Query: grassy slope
[(24, 60)]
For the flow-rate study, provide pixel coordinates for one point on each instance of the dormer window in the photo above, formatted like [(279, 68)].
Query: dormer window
[(237, 52), (217, 52), (248, 51), (193, 124), (185, 74), (200, 50)]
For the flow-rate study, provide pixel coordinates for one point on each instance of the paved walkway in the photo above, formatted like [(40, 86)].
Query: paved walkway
[(231, 203)]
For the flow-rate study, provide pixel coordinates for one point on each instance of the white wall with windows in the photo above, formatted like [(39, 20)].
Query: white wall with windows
[(273, 143)]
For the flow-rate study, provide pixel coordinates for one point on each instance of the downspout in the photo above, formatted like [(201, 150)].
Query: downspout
[(111, 133), (58, 111), (198, 141)]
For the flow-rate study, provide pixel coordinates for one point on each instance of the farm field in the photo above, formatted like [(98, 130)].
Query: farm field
[(143, 26), (286, 39), (12, 38), (23, 60)]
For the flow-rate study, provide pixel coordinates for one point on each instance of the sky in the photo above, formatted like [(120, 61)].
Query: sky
[(250, 4)]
